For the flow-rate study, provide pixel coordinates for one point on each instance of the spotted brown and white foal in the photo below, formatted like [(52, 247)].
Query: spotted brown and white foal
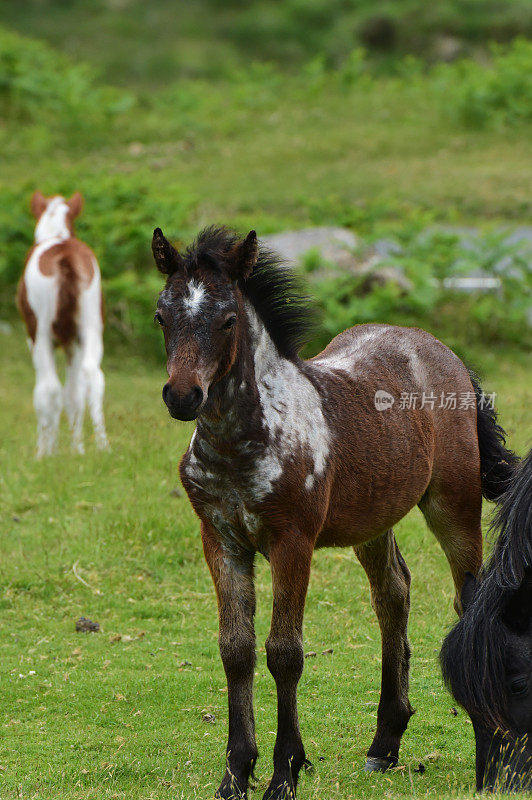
[(59, 297), (290, 455)]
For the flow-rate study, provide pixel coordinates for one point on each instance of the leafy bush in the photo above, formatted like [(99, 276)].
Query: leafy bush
[(144, 43), (295, 30), (39, 84), (45, 98), (424, 294), (500, 94)]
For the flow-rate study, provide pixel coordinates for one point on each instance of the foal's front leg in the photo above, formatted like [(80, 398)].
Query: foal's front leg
[(235, 593), (290, 559)]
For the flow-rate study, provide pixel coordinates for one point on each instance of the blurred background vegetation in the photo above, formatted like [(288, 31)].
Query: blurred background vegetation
[(402, 120)]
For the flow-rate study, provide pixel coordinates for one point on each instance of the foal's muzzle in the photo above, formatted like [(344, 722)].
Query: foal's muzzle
[(183, 407)]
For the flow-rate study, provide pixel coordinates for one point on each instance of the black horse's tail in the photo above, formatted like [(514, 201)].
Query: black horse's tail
[(497, 463)]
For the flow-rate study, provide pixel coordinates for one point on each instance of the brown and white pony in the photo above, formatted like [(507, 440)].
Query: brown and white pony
[(59, 297), (291, 455)]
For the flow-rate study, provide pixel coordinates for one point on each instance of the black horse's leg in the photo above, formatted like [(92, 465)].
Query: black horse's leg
[(389, 579), (290, 558), (235, 593)]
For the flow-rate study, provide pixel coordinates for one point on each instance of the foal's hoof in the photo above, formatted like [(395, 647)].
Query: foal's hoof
[(279, 792), (230, 790), (230, 794), (375, 764)]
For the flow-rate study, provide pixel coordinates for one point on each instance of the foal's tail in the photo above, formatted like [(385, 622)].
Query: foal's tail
[(65, 324), (497, 463)]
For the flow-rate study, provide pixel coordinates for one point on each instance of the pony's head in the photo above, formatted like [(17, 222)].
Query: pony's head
[(487, 657), (200, 312), (55, 215), (205, 306)]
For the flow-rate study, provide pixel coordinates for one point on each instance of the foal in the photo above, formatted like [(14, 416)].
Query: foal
[(60, 300), (290, 455)]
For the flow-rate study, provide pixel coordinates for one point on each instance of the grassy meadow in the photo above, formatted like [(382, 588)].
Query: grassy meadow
[(119, 713), (168, 120)]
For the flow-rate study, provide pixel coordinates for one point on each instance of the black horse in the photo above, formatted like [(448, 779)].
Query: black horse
[(487, 657)]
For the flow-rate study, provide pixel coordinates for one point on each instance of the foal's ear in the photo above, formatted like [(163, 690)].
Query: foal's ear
[(518, 613), (242, 258), (75, 204), (38, 203), (469, 590), (166, 257)]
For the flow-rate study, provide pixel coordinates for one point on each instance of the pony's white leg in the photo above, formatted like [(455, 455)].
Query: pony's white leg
[(95, 394), (91, 336), (47, 395), (95, 385), (74, 397)]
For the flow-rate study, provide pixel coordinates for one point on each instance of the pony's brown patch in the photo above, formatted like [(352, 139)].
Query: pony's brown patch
[(79, 255), (64, 326), (26, 311), (73, 262)]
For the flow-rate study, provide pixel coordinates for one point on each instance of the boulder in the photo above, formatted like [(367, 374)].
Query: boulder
[(333, 244)]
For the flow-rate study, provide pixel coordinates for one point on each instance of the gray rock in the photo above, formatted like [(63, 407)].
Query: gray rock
[(384, 248), (334, 244), (521, 235)]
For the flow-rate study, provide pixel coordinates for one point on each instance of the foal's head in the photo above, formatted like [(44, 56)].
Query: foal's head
[(204, 311), (55, 216), (200, 312)]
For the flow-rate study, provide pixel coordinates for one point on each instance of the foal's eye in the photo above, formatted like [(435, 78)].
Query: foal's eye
[(158, 318), (519, 686), (229, 323)]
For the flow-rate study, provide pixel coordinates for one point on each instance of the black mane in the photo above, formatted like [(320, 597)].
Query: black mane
[(512, 554), (473, 653), (274, 290)]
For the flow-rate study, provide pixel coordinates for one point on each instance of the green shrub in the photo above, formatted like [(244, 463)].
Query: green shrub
[(44, 98), (296, 30), (499, 94), (144, 43), (421, 296), (39, 84)]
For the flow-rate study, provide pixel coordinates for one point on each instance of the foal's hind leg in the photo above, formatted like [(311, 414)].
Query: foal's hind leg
[(453, 513), (389, 579), (74, 394), (95, 384), (46, 394)]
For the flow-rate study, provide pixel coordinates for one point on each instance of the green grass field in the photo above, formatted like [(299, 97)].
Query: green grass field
[(119, 714)]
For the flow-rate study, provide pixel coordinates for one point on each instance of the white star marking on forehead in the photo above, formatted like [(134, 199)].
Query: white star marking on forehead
[(193, 300)]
